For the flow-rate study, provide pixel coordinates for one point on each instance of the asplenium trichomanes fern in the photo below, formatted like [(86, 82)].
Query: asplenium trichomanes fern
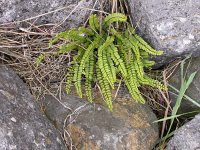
[(104, 53)]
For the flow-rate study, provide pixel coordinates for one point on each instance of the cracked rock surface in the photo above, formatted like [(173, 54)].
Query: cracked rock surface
[(64, 12), (169, 25), (22, 125), (186, 137)]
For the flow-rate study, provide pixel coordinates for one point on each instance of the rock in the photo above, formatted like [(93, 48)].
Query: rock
[(22, 125), (186, 137), (93, 127), (190, 66), (73, 15), (172, 26)]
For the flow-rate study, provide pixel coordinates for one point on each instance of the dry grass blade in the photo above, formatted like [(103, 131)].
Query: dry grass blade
[(19, 49)]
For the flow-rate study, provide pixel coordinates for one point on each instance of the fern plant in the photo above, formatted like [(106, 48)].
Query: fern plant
[(105, 53)]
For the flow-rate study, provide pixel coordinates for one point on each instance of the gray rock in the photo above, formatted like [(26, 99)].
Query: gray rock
[(190, 66), (187, 137), (169, 25), (17, 10), (22, 125), (93, 127)]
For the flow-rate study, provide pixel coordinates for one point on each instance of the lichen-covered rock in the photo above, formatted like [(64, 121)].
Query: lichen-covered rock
[(22, 125), (169, 25), (93, 127), (187, 137), (70, 12), (190, 66)]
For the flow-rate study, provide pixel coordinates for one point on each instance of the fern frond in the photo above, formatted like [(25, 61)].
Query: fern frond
[(78, 71), (118, 61), (94, 23), (57, 37), (86, 31), (146, 47), (115, 17), (39, 59), (71, 35), (132, 85), (88, 51), (68, 47), (144, 54), (111, 64), (89, 69), (77, 79), (123, 44), (133, 45), (123, 51), (139, 68), (103, 62), (130, 29), (75, 35), (81, 50), (69, 79), (80, 54), (128, 43), (154, 83), (117, 35), (105, 88), (148, 63)]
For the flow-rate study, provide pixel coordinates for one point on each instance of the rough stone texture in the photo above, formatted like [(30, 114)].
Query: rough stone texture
[(169, 25), (193, 91), (94, 127), (22, 125), (187, 137), (15, 10)]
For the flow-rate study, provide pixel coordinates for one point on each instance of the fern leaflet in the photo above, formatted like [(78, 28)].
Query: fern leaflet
[(116, 17), (94, 23)]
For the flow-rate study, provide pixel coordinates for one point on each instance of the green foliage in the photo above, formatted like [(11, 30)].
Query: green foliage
[(186, 80), (39, 59), (105, 54)]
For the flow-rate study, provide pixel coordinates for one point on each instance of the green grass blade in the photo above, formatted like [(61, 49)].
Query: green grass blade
[(187, 97), (183, 89), (175, 116)]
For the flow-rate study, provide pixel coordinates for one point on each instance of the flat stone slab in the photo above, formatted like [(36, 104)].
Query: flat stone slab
[(186, 137)]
